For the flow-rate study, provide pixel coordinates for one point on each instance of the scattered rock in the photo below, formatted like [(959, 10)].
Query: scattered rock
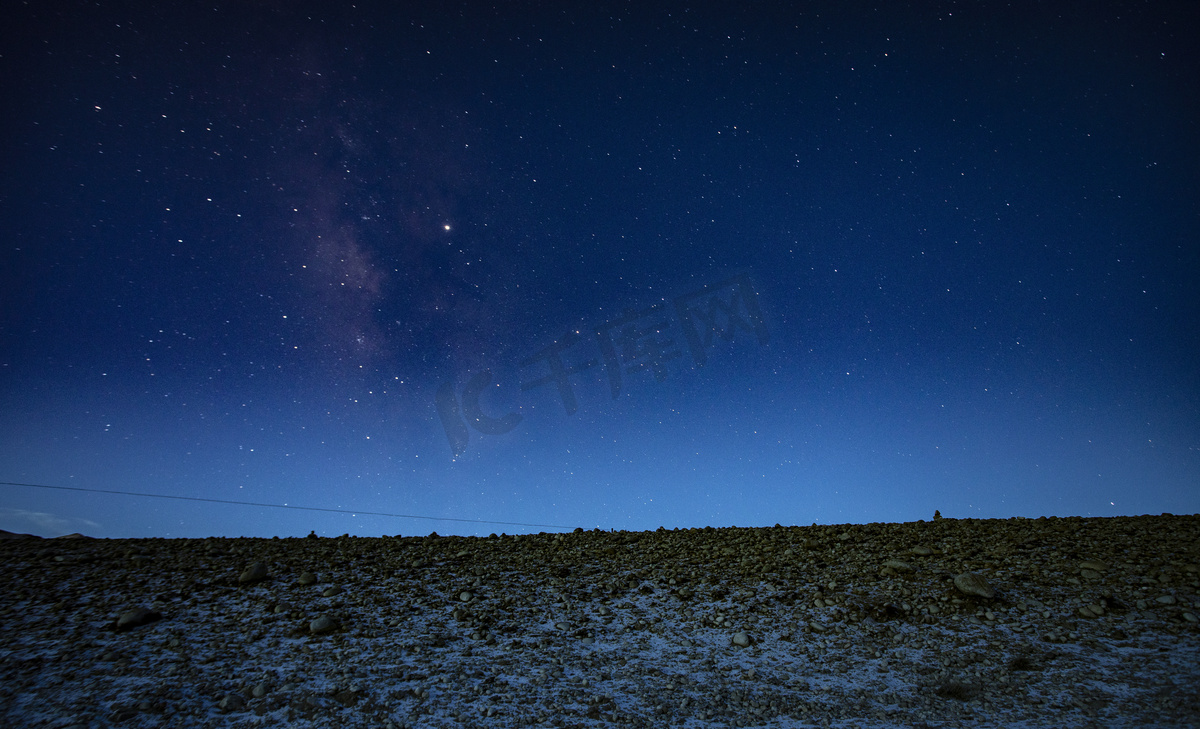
[(136, 618), (323, 624), (231, 702), (957, 690), (970, 583), (307, 578), (256, 572), (741, 639)]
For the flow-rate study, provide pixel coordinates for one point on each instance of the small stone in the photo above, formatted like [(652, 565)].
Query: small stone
[(331, 591), (466, 596), (259, 691), (256, 572), (1190, 617), (922, 551), (1165, 599), (898, 565), (1094, 565), (741, 639), (970, 583), (136, 618), (307, 578), (232, 702), (323, 624)]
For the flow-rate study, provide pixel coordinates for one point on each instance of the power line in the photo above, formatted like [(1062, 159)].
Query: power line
[(279, 506)]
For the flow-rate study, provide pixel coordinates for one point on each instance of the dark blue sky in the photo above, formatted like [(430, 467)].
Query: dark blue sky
[(937, 256)]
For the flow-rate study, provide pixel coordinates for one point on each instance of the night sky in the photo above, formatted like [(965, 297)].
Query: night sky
[(602, 265)]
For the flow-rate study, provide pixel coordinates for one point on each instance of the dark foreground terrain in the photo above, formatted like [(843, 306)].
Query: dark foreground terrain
[(1046, 622)]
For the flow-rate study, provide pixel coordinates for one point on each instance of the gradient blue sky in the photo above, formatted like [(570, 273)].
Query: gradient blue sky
[(248, 243)]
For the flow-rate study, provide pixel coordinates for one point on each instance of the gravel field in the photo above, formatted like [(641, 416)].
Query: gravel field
[(1063, 622)]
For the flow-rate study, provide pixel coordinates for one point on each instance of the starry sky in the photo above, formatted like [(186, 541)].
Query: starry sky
[(611, 265)]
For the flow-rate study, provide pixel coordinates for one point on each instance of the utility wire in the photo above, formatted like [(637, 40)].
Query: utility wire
[(279, 506)]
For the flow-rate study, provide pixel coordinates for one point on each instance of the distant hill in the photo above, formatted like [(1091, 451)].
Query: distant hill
[(14, 535)]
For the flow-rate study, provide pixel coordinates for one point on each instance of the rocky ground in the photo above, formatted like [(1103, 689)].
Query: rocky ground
[(1046, 622)]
